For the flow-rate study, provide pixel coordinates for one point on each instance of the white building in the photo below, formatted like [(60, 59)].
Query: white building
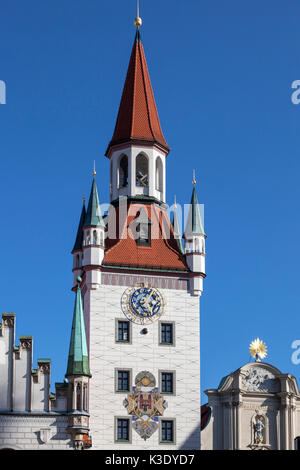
[(256, 407), (133, 375)]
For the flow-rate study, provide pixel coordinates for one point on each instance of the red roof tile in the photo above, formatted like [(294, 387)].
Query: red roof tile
[(138, 117), (163, 253)]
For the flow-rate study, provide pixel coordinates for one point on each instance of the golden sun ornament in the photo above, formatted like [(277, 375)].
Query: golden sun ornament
[(258, 349)]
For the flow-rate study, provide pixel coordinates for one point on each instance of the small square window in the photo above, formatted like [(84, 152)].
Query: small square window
[(167, 432), (123, 430), (122, 380), (123, 331), (167, 385), (167, 333)]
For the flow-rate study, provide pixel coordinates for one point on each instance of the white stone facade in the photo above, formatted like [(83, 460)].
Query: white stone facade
[(102, 308), (34, 432), (30, 418)]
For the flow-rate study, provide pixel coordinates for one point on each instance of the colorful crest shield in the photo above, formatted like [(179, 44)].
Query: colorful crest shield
[(145, 405)]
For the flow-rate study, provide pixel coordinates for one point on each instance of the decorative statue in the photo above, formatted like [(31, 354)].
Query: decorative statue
[(259, 427)]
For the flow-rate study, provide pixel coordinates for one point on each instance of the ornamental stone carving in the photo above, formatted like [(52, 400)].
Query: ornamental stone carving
[(26, 343), (8, 322), (44, 368), (259, 380), (79, 421)]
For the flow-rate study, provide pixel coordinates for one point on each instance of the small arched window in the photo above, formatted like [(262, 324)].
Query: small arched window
[(77, 261), (142, 177), (85, 398), (159, 175), (78, 397), (123, 172), (88, 238), (95, 237)]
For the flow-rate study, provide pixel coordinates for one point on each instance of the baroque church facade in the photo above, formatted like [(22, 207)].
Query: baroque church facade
[(134, 355)]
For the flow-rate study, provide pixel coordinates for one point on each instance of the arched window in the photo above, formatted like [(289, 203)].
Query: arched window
[(297, 443), (142, 179), (85, 398), (95, 237), (123, 172), (78, 397), (88, 238), (101, 239), (159, 175), (77, 261)]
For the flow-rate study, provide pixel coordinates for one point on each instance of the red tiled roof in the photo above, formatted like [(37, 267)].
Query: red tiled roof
[(138, 117), (163, 253)]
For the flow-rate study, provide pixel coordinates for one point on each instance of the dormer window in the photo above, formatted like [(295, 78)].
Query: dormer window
[(143, 229)]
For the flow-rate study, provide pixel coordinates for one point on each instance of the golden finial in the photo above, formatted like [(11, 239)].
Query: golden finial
[(138, 21), (94, 172), (175, 204), (83, 199), (258, 349), (194, 177)]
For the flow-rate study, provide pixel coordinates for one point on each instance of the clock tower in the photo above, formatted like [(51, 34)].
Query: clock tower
[(140, 288)]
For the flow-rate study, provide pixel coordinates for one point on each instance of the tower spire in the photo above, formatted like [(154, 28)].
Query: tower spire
[(194, 220), (93, 214), (79, 236), (78, 361), (138, 120)]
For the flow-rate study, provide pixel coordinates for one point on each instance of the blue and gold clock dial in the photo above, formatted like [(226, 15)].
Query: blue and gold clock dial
[(142, 304)]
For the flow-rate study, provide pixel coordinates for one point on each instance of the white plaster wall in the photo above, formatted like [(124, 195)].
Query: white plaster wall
[(40, 392), (23, 432), (6, 352), (22, 381), (143, 354)]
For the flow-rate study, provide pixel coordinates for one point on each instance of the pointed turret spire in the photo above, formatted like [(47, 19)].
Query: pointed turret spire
[(138, 119), (78, 362), (79, 236), (194, 221), (93, 214)]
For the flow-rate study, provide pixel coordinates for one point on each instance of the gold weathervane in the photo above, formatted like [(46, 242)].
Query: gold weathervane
[(194, 177), (258, 349), (138, 21)]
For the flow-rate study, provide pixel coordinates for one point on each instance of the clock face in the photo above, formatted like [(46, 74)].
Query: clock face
[(142, 304)]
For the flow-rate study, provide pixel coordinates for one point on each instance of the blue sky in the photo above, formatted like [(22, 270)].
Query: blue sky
[(222, 75)]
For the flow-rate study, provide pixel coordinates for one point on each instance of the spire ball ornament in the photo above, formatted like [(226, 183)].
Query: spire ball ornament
[(258, 349), (138, 22)]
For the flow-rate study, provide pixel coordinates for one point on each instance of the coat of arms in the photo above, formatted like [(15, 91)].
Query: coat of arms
[(145, 405)]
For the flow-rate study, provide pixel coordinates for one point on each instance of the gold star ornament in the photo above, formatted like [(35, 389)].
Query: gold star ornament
[(258, 349)]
